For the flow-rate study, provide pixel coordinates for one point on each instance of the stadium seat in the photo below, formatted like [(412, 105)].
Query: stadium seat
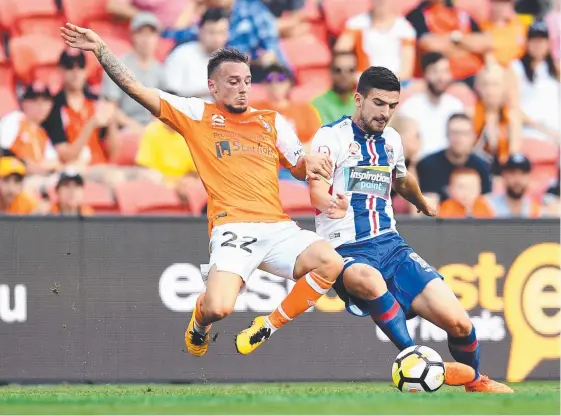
[(79, 11), (540, 151), (337, 12), (258, 93), (108, 27), (7, 14), (8, 102), (295, 198), (31, 52), (146, 197), (127, 148), (37, 16), (306, 92), (6, 71), (164, 48), (197, 197), (306, 52), (319, 78), (405, 6), (478, 9)]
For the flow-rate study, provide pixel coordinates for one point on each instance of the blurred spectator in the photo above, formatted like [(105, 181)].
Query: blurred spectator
[(290, 17), (142, 61), (70, 195), (253, 31), (303, 117), (186, 66), (432, 108), (507, 30), (434, 171), (409, 132), (515, 202), (553, 21), (537, 86), (465, 196), (339, 100), (551, 200), (22, 136), (167, 11), (497, 126), (13, 200), (381, 38), (443, 28), (76, 124), (164, 150)]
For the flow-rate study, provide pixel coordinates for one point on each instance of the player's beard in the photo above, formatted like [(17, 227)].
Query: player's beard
[(235, 110), (366, 125)]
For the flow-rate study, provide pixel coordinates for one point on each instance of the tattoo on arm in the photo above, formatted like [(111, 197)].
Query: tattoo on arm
[(117, 71)]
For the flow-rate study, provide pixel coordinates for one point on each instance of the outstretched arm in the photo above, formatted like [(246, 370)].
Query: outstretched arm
[(408, 188), (87, 40)]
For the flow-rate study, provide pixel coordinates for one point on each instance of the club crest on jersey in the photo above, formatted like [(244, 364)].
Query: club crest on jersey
[(354, 149), (218, 120), (389, 152), (266, 125)]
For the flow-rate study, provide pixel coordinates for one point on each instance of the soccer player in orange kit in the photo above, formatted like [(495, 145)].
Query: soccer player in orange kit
[(237, 151)]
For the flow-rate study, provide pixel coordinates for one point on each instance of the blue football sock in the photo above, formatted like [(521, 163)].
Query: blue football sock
[(390, 318), (466, 350)]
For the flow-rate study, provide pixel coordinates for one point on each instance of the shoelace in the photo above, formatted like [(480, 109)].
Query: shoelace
[(197, 338)]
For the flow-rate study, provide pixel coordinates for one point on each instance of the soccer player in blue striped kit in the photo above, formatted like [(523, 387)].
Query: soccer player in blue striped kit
[(383, 277)]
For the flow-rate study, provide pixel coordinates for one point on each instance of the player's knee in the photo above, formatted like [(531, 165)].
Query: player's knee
[(331, 265), (216, 311), (364, 282), (459, 326)]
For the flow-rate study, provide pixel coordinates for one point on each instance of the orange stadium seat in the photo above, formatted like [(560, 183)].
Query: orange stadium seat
[(306, 52), (164, 48), (146, 197), (7, 15), (306, 92), (6, 71), (80, 11), (478, 9), (319, 78), (258, 93), (463, 93), (337, 12), (8, 102), (295, 198), (404, 6), (541, 151), (107, 27), (197, 197), (127, 149), (37, 16), (32, 52)]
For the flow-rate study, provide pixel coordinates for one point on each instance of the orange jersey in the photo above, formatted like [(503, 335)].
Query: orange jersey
[(237, 157), (25, 140), (22, 204)]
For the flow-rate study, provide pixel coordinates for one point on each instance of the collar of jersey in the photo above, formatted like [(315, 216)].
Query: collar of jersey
[(360, 134)]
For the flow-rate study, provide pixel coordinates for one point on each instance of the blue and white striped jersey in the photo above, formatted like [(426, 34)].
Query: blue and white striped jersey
[(364, 167)]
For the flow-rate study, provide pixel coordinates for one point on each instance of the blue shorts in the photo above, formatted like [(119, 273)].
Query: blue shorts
[(405, 272)]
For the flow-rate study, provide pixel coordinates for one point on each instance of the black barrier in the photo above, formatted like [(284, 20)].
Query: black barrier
[(108, 299)]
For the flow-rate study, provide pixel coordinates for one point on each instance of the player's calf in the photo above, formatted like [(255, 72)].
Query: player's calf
[(366, 283)]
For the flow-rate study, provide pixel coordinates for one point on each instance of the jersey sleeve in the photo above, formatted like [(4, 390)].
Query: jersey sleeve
[(400, 168), (326, 142), (180, 113), (288, 143)]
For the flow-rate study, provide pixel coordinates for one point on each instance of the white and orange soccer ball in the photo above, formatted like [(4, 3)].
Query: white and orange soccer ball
[(418, 369)]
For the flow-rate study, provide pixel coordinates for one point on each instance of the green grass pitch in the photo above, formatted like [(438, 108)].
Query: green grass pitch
[(535, 398)]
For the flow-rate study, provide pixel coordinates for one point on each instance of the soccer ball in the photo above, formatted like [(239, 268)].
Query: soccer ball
[(418, 369)]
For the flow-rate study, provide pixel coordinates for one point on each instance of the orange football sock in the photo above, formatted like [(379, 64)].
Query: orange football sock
[(304, 295), (199, 322)]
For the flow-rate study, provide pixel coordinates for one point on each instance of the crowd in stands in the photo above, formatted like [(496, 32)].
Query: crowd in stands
[(479, 113)]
